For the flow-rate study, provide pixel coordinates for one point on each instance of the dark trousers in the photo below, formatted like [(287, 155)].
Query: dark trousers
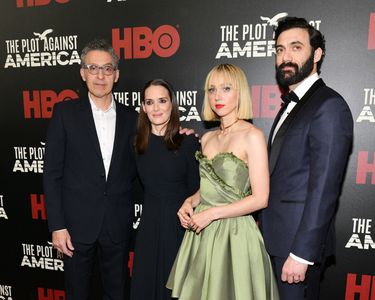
[(112, 261), (306, 290)]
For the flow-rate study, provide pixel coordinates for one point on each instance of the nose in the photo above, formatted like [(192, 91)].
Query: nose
[(287, 57), (217, 94), (101, 73), (155, 106)]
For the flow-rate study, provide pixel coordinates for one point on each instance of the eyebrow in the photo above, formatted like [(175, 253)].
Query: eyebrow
[(292, 44), (296, 43), (160, 98)]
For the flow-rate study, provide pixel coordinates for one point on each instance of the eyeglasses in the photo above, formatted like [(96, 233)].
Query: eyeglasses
[(94, 69)]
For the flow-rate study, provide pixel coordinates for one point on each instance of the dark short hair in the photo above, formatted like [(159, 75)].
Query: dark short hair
[(101, 45), (316, 37), (172, 137)]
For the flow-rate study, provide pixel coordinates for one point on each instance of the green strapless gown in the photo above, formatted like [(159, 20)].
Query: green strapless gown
[(227, 260)]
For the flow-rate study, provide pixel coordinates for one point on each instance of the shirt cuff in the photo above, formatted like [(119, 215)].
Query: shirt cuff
[(301, 260)]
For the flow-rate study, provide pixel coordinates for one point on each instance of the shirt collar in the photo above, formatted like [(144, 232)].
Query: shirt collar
[(112, 106), (304, 86)]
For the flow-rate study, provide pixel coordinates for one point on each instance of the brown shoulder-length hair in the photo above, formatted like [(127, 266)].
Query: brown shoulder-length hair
[(172, 138)]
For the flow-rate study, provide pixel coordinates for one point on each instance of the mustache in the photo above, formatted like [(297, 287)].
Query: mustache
[(288, 64)]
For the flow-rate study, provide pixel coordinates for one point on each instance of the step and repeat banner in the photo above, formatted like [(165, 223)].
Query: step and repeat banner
[(180, 41)]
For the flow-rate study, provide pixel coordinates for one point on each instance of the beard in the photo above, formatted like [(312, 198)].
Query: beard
[(288, 78)]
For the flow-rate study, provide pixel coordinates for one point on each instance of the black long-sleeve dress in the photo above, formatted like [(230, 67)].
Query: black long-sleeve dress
[(168, 178)]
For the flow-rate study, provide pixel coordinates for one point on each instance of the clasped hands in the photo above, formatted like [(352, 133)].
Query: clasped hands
[(195, 222)]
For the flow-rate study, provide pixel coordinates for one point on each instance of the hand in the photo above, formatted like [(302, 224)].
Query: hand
[(61, 241), (185, 213), (201, 220), (188, 131), (293, 271)]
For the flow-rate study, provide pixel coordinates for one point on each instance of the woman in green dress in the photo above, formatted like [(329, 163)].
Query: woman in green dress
[(222, 255)]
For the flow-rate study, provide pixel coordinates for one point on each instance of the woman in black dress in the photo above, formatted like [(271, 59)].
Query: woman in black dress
[(169, 174)]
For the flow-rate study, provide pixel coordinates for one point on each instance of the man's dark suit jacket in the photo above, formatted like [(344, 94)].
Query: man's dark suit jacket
[(308, 158), (78, 196)]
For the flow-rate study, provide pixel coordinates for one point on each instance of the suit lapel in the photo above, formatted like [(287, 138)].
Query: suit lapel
[(119, 135), (275, 148), (277, 118)]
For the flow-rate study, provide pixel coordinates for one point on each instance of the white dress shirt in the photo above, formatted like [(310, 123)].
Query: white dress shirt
[(105, 124), (300, 91)]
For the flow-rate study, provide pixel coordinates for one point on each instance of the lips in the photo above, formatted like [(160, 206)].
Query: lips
[(288, 69), (100, 84), (218, 106)]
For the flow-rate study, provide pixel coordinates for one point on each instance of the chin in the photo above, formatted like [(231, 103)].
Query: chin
[(288, 75)]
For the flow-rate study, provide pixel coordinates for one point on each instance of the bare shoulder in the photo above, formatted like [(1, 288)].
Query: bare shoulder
[(255, 145), (207, 136), (251, 133)]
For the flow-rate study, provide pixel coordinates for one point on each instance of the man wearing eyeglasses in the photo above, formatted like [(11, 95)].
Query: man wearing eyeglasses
[(88, 174)]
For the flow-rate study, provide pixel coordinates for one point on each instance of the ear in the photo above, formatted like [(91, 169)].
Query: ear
[(318, 53), (117, 75), (83, 75)]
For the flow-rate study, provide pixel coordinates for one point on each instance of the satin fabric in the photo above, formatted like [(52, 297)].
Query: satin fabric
[(227, 260)]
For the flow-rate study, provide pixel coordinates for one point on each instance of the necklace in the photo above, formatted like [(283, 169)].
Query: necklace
[(222, 128)]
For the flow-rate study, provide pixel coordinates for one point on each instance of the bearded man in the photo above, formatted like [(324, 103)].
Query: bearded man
[(309, 145)]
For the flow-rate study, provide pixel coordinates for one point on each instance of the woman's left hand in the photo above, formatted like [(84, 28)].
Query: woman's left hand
[(201, 220)]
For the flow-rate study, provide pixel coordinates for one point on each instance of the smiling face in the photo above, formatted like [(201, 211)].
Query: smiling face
[(99, 85), (222, 96), (295, 58), (157, 105)]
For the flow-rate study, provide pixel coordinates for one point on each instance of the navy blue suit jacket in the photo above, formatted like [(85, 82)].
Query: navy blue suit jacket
[(307, 159), (77, 195)]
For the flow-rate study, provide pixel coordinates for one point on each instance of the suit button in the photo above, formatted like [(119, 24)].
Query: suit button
[(102, 175), (105, 193)]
